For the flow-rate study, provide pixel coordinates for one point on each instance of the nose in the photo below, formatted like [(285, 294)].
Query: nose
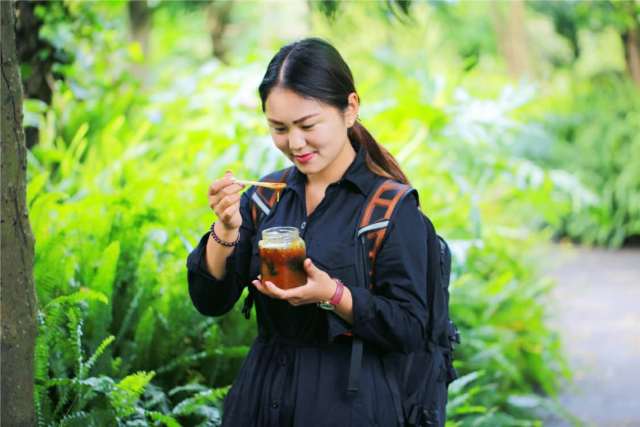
[(296, 140)]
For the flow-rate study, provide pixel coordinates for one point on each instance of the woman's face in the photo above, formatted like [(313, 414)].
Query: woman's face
[(310, 133)]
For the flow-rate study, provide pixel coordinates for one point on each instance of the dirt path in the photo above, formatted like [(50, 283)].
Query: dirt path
[(596, 308)]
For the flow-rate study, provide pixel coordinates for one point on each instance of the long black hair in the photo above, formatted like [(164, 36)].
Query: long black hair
[(314, 69)]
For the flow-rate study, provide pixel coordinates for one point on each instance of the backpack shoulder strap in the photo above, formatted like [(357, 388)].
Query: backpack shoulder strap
[(262, 201), (371, 231), (376, 215)]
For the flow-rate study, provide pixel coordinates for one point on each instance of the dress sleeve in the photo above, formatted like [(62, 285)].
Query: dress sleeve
[(212, 296), (393, 315)]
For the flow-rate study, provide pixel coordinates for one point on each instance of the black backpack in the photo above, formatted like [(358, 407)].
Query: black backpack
[(419, 380)]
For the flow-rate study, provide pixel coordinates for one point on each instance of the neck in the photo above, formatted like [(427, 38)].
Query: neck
[(335, 170)]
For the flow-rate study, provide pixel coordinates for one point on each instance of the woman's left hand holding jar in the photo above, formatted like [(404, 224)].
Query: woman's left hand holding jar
[(319, 287)]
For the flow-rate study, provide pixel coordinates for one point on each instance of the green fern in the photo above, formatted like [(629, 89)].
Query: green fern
[(78, 419), (128, 318), (193, 404), (143, 336), (82, 295), (86, 367), (106, 273), (166, 420), (127, 392)]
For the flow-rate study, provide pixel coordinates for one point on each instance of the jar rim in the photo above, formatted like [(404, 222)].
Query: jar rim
[(280, 229), (280, 233)]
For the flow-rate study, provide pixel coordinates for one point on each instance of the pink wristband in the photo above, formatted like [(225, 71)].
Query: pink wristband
[(335, 299)]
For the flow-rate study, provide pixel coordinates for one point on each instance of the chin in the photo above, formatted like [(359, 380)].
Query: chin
[(308, 169)]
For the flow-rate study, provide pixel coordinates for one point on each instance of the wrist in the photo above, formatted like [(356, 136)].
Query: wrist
[(332, 302), (224, 236), (225, 229), (338, 292), (331, 290)]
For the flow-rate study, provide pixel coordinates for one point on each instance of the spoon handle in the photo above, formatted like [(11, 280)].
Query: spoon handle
[(273, 185)]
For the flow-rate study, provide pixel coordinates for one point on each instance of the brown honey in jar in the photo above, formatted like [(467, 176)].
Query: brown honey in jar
[(282, 255)]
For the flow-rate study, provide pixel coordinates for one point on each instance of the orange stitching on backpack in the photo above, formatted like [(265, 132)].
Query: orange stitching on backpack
[(378, 201)]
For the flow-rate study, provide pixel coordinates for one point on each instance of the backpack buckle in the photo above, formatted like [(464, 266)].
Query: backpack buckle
[(430, 417), (246, 307), (454, 335)]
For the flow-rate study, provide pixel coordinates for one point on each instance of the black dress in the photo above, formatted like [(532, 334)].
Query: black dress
[(296, 371)]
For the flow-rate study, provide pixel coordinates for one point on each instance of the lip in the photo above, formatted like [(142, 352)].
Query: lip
[(305, 158)]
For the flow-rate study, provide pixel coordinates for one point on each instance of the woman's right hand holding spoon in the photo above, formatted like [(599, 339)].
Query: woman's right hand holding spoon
[(224, 199)]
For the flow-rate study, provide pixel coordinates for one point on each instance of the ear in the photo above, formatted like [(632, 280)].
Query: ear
[(353, 107)]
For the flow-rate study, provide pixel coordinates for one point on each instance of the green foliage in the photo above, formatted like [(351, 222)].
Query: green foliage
[(599, 142), (126, 393)]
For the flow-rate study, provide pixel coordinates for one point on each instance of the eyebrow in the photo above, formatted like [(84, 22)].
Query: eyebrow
[(301, 119)]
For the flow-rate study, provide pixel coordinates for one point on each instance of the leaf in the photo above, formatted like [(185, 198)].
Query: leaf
[(167, 420), (126, 393), (105, 275)]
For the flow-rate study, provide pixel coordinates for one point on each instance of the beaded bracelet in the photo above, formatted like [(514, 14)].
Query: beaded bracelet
[(223, 242)]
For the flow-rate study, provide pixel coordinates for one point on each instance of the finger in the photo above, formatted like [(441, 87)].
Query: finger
[(217, 185), (293, 296), (228, 214), (310, 268), (227, 201), (226, 184), (221, 205), (276, 291), (232, 188), (261, 288), (296, 297)]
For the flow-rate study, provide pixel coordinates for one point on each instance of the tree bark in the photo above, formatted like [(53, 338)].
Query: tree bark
[(140, 27), (631, 41), (17, 299), (512, 38), (218, 18), (38, 81), (140, 23)]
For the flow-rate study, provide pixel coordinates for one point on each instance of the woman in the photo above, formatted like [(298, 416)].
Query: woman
[(296, 371)]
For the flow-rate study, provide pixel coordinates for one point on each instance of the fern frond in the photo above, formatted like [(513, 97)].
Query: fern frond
[(193, 404), (188, 388), (184, 360), (145, 330), (83, 294), (86, 368), (133, 306), (127, 392), (166, 420), (78, 418)]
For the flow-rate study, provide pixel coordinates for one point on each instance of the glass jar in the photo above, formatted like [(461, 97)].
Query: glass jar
[(282, 254)]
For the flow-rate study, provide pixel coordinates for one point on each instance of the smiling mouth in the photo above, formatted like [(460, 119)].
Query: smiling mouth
[(305, 157)]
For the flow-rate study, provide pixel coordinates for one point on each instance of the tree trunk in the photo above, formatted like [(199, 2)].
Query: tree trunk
[(37, 82), (18, 300), (511, 35), (140, 27), (140, 23), (631, 41), (218, 18)]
